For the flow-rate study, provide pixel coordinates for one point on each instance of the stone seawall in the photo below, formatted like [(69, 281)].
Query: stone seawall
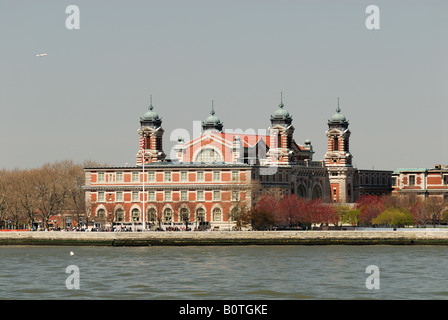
[(418, 237)]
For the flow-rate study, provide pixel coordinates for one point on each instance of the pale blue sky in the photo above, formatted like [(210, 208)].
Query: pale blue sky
[(84, 100)]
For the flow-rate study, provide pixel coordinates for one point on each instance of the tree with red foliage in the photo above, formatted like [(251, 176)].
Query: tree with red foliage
[(321, 213), (267, 202), (370, 207), (263, 214), (419, 213), (290, 210)]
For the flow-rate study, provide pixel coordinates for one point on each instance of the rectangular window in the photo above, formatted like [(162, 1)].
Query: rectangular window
[(394, 181), (167, 195), (167, 176), (411, 180), (216, 195), (183, 176), (235, 176), (200, 195), (119, 176), (100, 176), (151, 176), (151, 195), (235, 195), (200, 176), (110, 177), (336, 144), (119, 196), (101, 196), (134, 196), (135, 176), (184, 195), (216, 176), (445, 179)]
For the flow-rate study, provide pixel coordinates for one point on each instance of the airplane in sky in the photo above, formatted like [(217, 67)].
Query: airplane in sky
[(41, 55)]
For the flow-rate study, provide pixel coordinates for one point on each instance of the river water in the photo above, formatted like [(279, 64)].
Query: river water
[(224, 272)]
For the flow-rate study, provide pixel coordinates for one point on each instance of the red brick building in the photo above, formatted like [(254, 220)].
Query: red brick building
[(220, 172), (421, 183)]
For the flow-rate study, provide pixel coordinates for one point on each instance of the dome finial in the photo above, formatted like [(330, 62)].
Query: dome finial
[(212, 112), (281, 105), (338, 109), (150, 102)]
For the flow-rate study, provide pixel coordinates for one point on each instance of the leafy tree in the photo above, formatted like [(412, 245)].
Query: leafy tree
[(262, 215), (396, 217), (348, 215), (370, 207), (321, 213), (261, 219), (290, 210)]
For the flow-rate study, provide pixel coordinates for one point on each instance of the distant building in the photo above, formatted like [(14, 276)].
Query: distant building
[(421, 183), (222, 171)]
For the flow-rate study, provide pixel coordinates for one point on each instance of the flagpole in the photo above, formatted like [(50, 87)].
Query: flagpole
[(143, 165)]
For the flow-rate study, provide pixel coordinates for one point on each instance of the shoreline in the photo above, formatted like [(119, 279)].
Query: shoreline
[(225, 238)]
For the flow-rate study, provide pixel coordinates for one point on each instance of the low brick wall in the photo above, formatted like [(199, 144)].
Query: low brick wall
[(179, 238)]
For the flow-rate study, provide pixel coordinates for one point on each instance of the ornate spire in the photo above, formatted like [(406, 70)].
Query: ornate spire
[(281, 115), (212, 122), (338, 118), (281, 105), (212, 112), (151, 118)]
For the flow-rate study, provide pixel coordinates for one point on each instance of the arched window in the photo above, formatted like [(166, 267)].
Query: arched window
[(152, 216), (208, 155), (184, 216), (200, 215), (135, 214), (101, 213), (301, 191), (217, 214), (317, 192), (119, 215), (167, 215), (235, 214)]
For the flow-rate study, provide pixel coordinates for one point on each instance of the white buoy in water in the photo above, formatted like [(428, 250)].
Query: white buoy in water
[(71, 253)]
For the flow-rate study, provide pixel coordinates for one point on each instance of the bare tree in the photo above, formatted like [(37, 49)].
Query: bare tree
[(434, 208), (53, 187), (239, 210), (24, 192), (3, 197)]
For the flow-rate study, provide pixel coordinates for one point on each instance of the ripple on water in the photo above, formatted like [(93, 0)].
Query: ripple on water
[(271, 294), (255, 272)]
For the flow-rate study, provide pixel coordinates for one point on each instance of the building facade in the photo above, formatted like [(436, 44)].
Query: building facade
[(421, 183), (220, 172)]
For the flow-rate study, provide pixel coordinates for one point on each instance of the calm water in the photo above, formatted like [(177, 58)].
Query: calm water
[(242, 272)]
